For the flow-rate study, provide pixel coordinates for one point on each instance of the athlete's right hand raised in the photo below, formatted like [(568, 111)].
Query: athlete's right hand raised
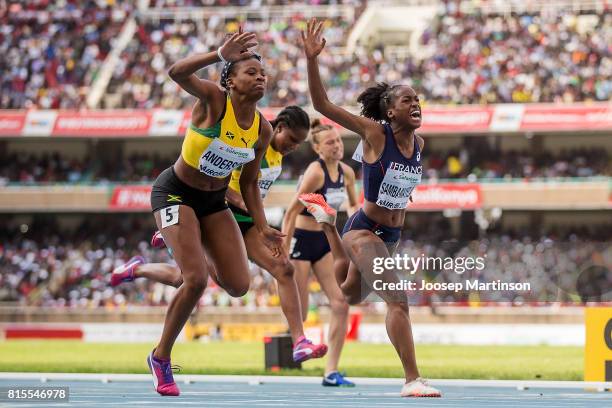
[(312, 39), (237, 45)]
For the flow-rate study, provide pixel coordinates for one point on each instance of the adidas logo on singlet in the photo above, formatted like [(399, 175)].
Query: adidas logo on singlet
[(230, 135)]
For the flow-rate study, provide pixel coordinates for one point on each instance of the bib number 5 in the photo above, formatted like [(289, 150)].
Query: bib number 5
[(169, 216)]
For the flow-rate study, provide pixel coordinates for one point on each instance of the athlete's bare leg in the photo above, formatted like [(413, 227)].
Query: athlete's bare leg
[(283, 271), (363, 246), (338, 322), (184, 239), (226, 252), (302, 271), (160, 272)]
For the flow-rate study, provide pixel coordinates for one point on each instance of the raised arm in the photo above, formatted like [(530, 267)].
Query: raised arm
[(313, 44), (183, 71), (249, 188)]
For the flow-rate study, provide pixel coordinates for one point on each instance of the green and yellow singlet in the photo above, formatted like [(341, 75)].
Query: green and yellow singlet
[(271, 166), (218, 150)]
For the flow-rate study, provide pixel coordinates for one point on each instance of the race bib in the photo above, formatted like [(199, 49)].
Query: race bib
[(267, 177), (358, 155), (395, 189), (169, 216), (335, 197), (219, 159)]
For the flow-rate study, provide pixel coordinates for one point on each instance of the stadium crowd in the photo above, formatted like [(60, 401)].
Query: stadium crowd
[(46, 265), (473, 58), (52, 51), (140, 79), (549, 57), (53, 167), (43, 264), (477, 161), (246, 3)]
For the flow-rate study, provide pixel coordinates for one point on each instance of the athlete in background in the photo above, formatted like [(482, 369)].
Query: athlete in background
[(306, 241)]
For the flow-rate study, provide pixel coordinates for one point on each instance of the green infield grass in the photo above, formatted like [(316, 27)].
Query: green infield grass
[(358, 360)]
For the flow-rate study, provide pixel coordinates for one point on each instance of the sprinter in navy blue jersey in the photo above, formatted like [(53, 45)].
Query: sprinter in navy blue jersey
[(391, 170), (307, 245)]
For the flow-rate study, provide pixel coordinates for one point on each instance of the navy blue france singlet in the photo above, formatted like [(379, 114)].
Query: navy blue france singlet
[(389, 181), (333, 191)]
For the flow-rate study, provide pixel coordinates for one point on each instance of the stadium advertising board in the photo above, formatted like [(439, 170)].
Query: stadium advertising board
[(113, 124), (436, 120), (598, 347), (456, 119), (131, 198), (446, 196), (567, 117), (11, 123)]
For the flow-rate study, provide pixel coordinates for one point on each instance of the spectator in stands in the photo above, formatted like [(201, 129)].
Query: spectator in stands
[(53, 54), (52, 51), (43, 263), (476, 161)]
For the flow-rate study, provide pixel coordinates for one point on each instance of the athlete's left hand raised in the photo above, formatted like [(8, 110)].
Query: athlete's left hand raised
[(312, 39)]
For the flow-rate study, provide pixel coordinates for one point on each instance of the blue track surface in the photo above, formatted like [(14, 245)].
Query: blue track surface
[(88, 394)]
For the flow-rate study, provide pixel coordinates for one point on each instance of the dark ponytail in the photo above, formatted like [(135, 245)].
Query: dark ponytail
[(375, 101), (293, 117)]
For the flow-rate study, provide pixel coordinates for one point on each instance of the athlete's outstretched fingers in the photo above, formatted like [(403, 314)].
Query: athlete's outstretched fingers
[(318, 29), (225, 247)]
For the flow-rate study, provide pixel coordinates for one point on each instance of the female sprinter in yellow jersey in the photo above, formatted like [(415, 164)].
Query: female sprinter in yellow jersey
[(306, 241), (188, 199), (290, 129)]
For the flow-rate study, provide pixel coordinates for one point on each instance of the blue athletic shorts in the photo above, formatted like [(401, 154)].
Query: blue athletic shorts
[(359, 221), (309, 245)]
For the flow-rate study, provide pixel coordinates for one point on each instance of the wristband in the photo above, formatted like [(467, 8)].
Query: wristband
[(223, 60)]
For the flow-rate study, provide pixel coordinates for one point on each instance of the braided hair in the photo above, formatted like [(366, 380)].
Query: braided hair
[(317, 127), (293, 117), (229, 66), (375, 101)]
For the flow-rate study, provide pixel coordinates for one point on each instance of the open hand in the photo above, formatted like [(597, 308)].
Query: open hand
[(312, 40), (237, 45), (273, 239)]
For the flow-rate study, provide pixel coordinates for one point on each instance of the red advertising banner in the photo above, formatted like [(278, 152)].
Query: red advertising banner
[(446, 196), (101, 123), (131, 198), (505, 118), (456, 119), (11, 123), (567, 117)]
